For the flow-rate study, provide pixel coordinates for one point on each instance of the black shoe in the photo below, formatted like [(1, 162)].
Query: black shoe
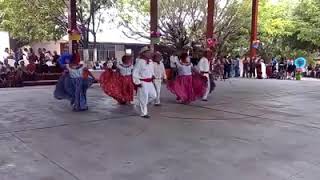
[(205, 100), (157, 105), (146, 116)]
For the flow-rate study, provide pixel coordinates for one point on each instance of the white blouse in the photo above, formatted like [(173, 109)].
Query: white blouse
[(125, 70), (184, 69), (76, 73)]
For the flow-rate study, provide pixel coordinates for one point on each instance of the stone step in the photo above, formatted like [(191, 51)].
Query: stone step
[(40, 83)]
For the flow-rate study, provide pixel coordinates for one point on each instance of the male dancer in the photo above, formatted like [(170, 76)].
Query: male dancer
[(160, 75), (204, 68), (143, 76)]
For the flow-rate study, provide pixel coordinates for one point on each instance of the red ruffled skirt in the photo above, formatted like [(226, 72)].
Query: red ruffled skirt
[(119, 87), (188, 88)]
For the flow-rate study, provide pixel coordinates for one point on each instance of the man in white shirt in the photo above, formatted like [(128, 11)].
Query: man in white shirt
[(160, 75), (204, 68), (143, 76), (173, 60), (6, 54)]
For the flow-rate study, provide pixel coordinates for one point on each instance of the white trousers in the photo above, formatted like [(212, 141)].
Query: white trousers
[(157, 85), (146, 94), (205, 97)]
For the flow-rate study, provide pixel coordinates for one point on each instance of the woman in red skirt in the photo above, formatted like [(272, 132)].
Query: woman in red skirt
[(188, 85), (117, 83)]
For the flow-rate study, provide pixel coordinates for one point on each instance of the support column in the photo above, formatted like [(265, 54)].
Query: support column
[(254, 27), (210, 19), (72, 17), (153, 20)]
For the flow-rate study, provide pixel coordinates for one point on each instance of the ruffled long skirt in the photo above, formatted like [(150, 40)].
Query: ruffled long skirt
[(120, 88), (188, 88), (74, 90)]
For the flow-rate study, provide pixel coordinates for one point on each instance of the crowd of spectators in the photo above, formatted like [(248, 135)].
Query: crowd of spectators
[(313, 71), (25, 65)]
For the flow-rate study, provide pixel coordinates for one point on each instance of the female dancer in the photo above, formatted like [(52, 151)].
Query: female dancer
[(189, 85), (74, 83), (118, 83)]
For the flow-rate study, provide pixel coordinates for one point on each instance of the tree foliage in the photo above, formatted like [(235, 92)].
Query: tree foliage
[(283, 26), (37, 20), (182, 22), (32, 21), (307, 16)]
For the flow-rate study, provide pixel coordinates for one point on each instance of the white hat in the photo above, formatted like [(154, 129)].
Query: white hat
[(144, 49)]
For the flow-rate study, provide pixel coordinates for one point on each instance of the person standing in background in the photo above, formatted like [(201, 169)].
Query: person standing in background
[(237, 66), (160, 75), (204, 69), (246, 67), (55, 58), (6, 54), (173, 65), (252, 67), (227, 67)]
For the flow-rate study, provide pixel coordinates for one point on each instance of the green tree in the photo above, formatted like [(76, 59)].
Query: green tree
[(182, 22), (32, 21), (37, 20), (307, 15)]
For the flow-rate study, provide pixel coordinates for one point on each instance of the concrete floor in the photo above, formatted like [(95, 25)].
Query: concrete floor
[(249, 130)]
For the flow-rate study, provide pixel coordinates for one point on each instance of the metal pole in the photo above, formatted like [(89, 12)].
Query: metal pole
[(72, 16), (153, 20), (254, 27)]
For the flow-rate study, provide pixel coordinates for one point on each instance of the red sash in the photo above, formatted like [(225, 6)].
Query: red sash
[(147, 80)]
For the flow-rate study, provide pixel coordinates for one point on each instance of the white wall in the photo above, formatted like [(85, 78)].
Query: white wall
[(4, 42), (120, 51), (49, 46)]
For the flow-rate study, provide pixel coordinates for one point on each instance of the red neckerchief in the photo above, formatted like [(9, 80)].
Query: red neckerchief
[(185, 63), (126, 65), (158, 62), (78, 66), (147, 60)]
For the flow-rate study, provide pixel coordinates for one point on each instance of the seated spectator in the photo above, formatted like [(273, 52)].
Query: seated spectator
[(55, 58), (48, 56), (11, 76), (317, 72), (3, 75), (29, 74), (32, 56), (97, 66), (21, 74), (43, 67)]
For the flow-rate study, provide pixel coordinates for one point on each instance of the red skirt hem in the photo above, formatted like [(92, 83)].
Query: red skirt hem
[(120, 88)]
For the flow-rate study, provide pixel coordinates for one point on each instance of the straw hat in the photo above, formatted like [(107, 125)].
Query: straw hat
[(144, 49)]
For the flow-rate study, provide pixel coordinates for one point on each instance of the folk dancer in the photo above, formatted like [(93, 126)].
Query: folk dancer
[(160, 75), (173, 61), (117, 83), (74, 83), (188, 85), (204, 68), (143, 76)]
